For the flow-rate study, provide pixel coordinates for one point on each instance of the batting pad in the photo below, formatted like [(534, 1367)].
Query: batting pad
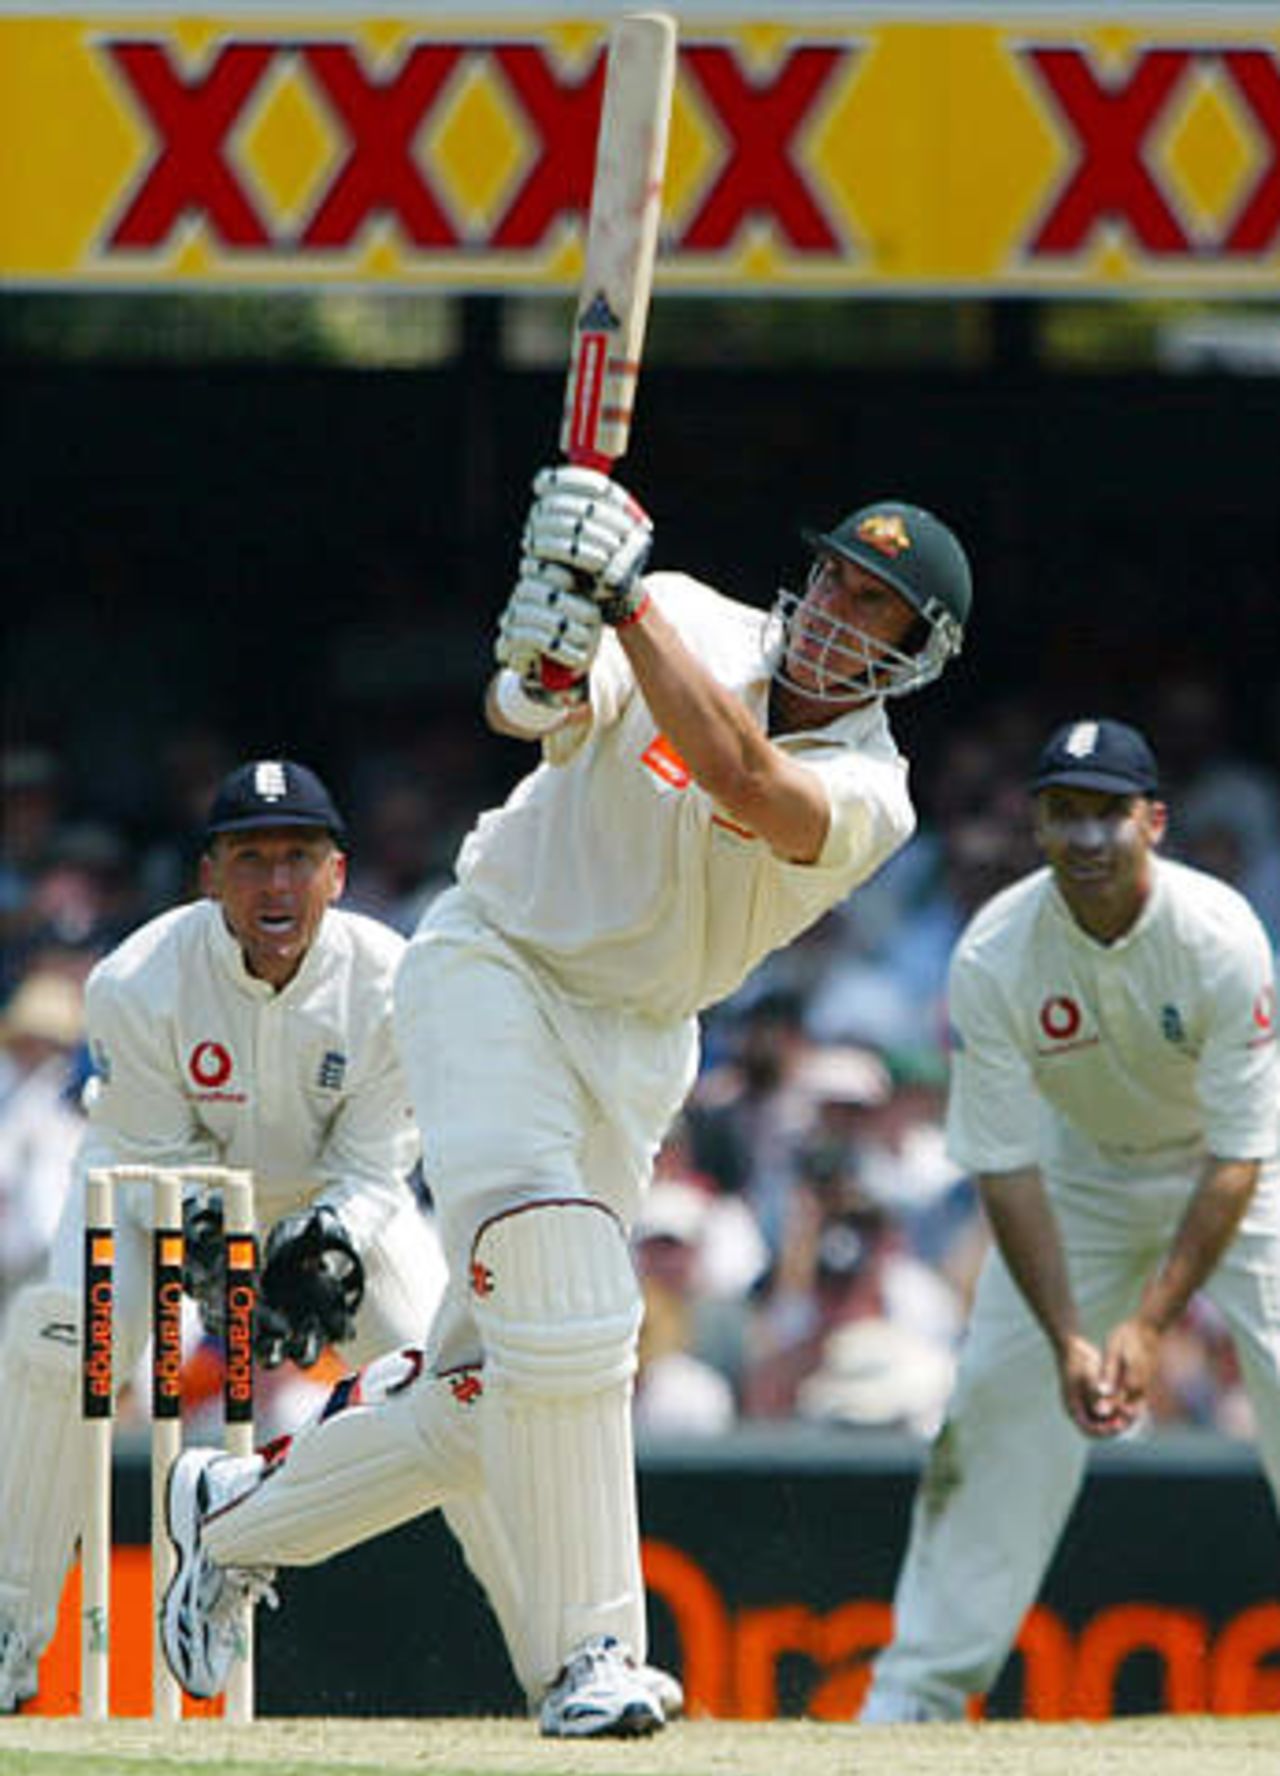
[(555, 1296), (42, 1462), (379, 1458)]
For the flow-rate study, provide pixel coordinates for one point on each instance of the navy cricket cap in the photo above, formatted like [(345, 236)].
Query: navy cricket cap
[(273, 792), (1105, 755)]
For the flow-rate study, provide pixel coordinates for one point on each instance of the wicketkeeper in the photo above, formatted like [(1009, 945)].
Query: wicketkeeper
[(250, 1029)]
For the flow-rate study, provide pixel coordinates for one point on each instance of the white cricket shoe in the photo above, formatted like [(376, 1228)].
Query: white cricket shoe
[(599, 1694), (18, 1677), (900, 1708), (665, 1688), (202, 1626)]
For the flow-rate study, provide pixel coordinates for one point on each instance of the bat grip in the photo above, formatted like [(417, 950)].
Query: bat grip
[(552, 676)]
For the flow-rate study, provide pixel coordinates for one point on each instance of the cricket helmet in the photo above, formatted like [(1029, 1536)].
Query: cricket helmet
[(922, 559)]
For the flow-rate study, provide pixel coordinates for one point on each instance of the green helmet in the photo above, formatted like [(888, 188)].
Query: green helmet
[(920, 557), (915, 552)]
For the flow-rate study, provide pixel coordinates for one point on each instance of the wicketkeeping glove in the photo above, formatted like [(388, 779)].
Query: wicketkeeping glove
[(312, 1284), (204, 1263), (594, 527), (546, 617)]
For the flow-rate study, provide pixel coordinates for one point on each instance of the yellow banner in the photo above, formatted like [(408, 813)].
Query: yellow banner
[(837, 151)]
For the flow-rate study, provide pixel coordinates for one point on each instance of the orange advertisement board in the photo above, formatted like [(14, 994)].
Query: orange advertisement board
[(731, 1657), (847, 148)]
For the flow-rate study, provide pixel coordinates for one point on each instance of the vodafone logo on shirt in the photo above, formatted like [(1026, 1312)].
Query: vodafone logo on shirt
[(1061, 1020), (209, 1067)]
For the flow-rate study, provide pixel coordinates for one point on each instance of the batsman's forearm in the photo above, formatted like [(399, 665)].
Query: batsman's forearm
[(727, 751), (1207, 1228), (710, 729)]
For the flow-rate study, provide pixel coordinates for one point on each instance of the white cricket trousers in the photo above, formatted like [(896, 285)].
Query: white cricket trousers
[(521, 1092), (1006, 1468)]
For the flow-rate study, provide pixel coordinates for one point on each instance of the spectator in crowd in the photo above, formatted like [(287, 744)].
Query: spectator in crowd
[(41, 1030), (845, 1258), (677, 1389), (400, 870), (191, 763), (747, 1116), (31, 812)]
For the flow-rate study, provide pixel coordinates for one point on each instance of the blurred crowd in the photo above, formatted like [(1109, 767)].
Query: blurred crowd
[(808, 1249)]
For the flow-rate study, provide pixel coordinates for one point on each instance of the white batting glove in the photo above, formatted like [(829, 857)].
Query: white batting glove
[(547, 618), (593, 526)]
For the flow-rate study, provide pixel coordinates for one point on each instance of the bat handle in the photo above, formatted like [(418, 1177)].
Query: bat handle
[(551, 674)]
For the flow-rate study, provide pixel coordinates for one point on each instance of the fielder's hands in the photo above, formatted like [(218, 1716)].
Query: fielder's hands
[(312, 1284), (589, 524), (1088, 1395)]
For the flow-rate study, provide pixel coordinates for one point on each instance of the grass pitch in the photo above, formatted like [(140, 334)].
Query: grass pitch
[(1177, 1745)]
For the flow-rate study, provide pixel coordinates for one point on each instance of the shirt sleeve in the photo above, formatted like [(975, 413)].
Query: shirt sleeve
[(612, 685), (371, 1148), (993, 1111), (871, 812), (138, 1113), (1239, 1074)]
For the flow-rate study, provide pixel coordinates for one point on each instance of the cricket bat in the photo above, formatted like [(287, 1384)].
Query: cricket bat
[(621, 245)]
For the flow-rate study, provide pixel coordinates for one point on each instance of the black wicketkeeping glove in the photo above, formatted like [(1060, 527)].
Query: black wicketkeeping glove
[(204, 1265), (312, 1284)]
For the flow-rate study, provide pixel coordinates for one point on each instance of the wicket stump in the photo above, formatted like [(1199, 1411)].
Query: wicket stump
[(98, 1404)]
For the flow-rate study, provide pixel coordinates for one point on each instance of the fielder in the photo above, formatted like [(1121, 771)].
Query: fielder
[(713, 779), (249, 1029), (1116, 1092)]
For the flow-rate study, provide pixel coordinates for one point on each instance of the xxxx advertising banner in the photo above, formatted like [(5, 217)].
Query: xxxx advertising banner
[(1124, 150)]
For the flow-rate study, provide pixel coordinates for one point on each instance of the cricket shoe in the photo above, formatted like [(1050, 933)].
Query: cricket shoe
[(665, 1688), (203, 1621), (18, 1679), (901, 1708), (600, 1694)]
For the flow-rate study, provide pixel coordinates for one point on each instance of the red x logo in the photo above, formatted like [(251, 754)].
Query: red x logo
[(1256, 77), (192, 120), (567, 120), (381, 118), (1111, 181), (760, 175)]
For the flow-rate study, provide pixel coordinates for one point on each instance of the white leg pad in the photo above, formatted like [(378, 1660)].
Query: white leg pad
[(555, 1296), (42, 1462), (395, 1441)]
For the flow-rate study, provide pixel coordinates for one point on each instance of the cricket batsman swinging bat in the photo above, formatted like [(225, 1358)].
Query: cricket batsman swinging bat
[(622, 243)]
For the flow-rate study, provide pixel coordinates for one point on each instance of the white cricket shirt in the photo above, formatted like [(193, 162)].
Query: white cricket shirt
[(618, 872), (197, 1062), (1146, 1052)]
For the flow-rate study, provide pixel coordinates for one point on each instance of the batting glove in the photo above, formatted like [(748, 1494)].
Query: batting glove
[(548, 617), (594, 527)]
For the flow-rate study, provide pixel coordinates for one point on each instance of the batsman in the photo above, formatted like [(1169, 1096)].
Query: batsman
[(712, 778)]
